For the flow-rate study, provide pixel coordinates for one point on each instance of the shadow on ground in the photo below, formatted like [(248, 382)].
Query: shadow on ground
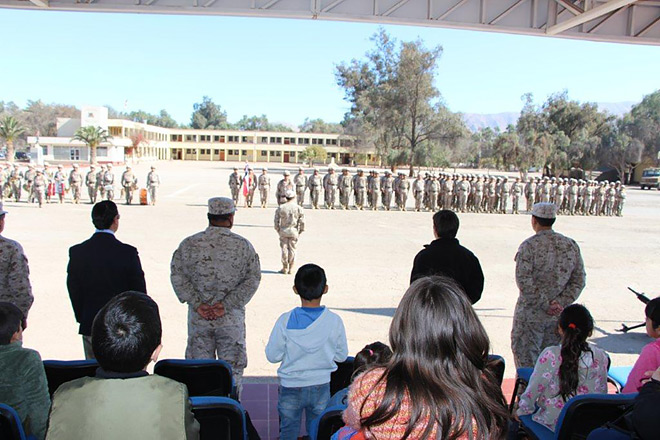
[(378, 311), (624, 343)]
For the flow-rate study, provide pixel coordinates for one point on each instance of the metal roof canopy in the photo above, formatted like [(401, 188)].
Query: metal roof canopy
[(620, 21)]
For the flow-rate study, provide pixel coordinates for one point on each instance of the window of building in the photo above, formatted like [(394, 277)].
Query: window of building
[(262, 153), (205, 138), (244, 139), (75, 154), (292, 153), (287, 141), (331, 141), (176, 138), (102, 151), (244, 152), (216, 152), (264, 140), (191, 138), (232, 138), (189, 151)]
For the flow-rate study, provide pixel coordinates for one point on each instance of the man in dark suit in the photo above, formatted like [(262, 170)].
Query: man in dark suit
[(445, 256), (99, 269)]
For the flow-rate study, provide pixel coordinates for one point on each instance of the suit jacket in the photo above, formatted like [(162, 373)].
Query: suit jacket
[(99, 269), (445, 256)]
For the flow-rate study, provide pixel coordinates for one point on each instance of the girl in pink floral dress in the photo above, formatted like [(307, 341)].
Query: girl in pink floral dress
[(567, 370)]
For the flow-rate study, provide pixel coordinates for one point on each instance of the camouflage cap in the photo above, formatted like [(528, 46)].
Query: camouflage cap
[(289, 194), (544, 210), (2, 209), (221, 206), (286, 173)]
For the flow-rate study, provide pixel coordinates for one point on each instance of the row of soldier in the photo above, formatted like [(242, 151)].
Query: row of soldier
[(463, 193), (42, 184)]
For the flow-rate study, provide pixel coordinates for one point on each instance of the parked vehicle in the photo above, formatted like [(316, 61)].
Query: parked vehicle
[(650, 178)]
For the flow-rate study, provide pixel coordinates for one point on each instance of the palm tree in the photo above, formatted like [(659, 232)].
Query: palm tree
[(10, 129), (92, 137)]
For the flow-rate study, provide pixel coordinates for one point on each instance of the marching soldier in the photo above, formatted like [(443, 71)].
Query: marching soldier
[(235, 182), (289, 224), (330, 182), (314, 183), (75, 180), (50, 188), (264, 187), (282, 187), (90, 182), (29, 176), (153, 182), (15, 177), (38, 188), (300, 180), (345, 186), (60, 183), (129, 182)]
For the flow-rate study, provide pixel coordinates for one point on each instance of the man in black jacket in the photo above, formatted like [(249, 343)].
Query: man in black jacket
[(99, 269), (445, 256)]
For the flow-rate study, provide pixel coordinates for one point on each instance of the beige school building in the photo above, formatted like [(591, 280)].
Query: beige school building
[(158, 143)]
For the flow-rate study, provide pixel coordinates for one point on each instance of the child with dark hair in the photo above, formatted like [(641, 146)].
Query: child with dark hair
[(566, 370), (308, 341), (123, 401), (649, 358), (23, 384)]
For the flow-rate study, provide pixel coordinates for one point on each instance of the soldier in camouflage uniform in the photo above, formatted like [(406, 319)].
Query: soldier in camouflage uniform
[(550, 275), (330, 182), (75, 180), (505, 191), (530, 193), (129, 183), (386, 188), (360, 190), (516, 192), (300, 181), (29, 176), (434, 190), (418, 192), (282, 187), (404, 188), (38, 188), (374, 191), (251, 186), (216, 272), (109, 182), (463, 189), (99, 182), (15, 177), (153, 182), (90, 181), (60, 186), (14, 272), (264, 187), (620, 200), (235, 182), (289, 224), (573, 191), (314, 183), (345, 186), (48, 175)]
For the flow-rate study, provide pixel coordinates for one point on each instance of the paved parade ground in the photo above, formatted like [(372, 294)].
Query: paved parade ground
[(367, 257)]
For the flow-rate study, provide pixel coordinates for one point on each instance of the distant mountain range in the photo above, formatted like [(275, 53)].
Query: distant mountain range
[(476, 121)]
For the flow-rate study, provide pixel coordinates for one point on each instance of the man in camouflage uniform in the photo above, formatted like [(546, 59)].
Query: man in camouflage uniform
[(251, 186), (478, 189), (129, 182), (360, 190), (463, 188), (90, 182), (235, 182), (418, 192), (314, 183), (264, 187), (345, 186), (404, 188), (530, 193), (373, 187), (15, 177), (216, 272), (587, 197), (330, 182), (434, 190), (300, 180), (620, 200), (516, 192), (14, 272), (100, 176), (38, 188), (448, 193), (109, 182), (573, 191), (289, 224), (153, 182), (386, 188), (60, 183), (550, 275), (75, 180), (48, 175), (282, 187), (610, 198), (505, 191), (546, 190), (29, 176)]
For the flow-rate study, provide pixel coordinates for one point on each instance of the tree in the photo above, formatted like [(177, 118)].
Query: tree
[(10, 130), (258, 123), (320, 126), (312, 153), (644, 124), (92, 137), (136, 141), (209, 115), (620, 149)]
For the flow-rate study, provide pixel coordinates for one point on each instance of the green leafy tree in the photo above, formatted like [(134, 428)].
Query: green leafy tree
[(620, 149), (92, 137), (258, 123), (10, 130), (313, 153), (320, 126), (208, 114), (644, 124)]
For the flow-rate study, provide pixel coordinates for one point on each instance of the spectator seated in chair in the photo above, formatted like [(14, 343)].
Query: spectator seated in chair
[(649, 358), (123, 401)]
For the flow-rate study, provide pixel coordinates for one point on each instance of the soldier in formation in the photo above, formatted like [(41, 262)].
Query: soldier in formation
[(345, 188), (109, 182), (129, 184), (314, 183), (38, 188), (300, 181), (360, 189), (75, 180), (90, 182), (330, 182), (250, 186), (235, 183), (289, 224), (282, 187), (264, 187), (60, 183), (153, 182)]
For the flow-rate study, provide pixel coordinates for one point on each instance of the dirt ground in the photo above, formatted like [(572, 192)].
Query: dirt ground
[(367, 257)]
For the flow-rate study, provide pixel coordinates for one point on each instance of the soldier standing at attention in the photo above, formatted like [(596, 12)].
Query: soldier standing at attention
[(90, 182), (314, 183), (60, 179), (434, 190), (264, 187), (386, 187), (330, 182), (374, 190), (530, 192), (301, 184), (289, 223), (573, 192), (216, 272), (129, 182), (404, 187), (100, 176), (109, 182), (14, 271), (418, 192), (235, 183), (153, 182), (360, 190), (250, 184), (48, 175), (505, 190), (282, 187), (75, 180), (516, 192), (478, 194), (345, 186), (38, 187), (550, 275)]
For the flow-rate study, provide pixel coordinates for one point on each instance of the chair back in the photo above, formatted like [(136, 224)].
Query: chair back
[(203, 377), (341, 377), (59, 372), (219, 418), (499, 365), (11, 427), (327, 423), (582, 414)]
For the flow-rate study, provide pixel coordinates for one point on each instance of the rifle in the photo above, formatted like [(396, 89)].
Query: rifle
[(643, 298), (640, 296)]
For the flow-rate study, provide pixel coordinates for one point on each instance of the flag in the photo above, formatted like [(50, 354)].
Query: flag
[(246, 177)]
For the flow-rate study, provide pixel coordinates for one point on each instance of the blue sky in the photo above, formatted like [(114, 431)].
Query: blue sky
[(285, 68)]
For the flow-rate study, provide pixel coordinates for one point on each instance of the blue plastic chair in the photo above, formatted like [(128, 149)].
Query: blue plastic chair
[(581, 415), (203, 377), (522, 379), (59, 372), (11, 427), (619, 376), (219, 418), (327, 423), (499, 366)]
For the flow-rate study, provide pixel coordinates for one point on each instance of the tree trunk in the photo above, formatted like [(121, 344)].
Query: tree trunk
[(10, 151), (92, 154)]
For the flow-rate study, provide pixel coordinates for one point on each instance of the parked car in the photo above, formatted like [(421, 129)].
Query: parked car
[(650, 178), (22, 156)]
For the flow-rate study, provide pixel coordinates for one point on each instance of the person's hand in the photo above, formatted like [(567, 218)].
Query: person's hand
[(555, 308), (218, 310), (655, 375), (206, 312)]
